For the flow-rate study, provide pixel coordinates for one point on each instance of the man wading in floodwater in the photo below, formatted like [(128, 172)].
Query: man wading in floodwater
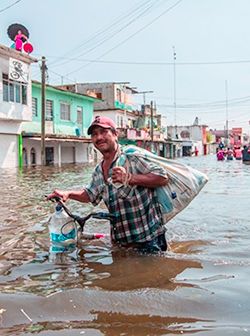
[(138, 219)]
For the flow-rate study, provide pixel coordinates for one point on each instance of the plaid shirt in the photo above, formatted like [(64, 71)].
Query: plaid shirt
[(137, 212)]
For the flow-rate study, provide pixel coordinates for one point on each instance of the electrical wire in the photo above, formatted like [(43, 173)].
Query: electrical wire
[(113, 34), (105, 29), (132, 35), (233, 101), (142, 11), (37, 75), (148, 63), (13, 4), (152, 63)]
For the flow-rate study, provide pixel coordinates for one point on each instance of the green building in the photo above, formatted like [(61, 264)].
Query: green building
[(67, 118)]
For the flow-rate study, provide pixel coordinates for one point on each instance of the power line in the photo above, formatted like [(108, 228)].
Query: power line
[(128, 22), (218, 111), (211, 105), (103, 30), (117, 21), (150, 63), (62, 76), (132, 35), (13, 4)]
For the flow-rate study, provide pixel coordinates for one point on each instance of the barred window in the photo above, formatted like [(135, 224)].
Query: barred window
[(34, 107), (79, 115), (49, 109), (65, 111), (13, 91)]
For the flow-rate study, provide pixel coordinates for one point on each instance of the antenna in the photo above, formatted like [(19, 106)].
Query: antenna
[(174, 58), (227, 130)]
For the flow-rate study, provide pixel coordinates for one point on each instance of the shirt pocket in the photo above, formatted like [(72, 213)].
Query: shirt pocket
[(126, 192)]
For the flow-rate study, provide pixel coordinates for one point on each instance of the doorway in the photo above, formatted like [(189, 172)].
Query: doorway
[(49, 154)]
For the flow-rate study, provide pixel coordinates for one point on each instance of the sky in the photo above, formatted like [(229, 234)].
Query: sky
[(193, 54)]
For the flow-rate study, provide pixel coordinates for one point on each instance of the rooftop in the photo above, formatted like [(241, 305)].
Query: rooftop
[(10, 52)]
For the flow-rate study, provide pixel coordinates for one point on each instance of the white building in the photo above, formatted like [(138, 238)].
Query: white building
[(15, 102), (193, 138)]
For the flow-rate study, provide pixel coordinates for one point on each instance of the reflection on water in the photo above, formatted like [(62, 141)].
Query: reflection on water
[(199, 286)]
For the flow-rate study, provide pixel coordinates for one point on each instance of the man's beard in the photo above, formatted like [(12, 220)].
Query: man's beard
[(107, 149)]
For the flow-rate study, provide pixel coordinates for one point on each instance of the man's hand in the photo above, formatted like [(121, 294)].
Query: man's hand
[(64, 195), (119, 174)]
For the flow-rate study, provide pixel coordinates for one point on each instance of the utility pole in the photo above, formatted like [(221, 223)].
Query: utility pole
[(227, 130), (144, 95), (152, 122), (143, 107), (43, 77)]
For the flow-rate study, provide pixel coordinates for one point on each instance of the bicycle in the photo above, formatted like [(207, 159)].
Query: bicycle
[(80, 221)]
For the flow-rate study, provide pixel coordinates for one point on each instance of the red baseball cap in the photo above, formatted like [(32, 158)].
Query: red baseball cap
[(103, 122)]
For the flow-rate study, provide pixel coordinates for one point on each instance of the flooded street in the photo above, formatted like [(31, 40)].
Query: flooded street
[(200, 286)]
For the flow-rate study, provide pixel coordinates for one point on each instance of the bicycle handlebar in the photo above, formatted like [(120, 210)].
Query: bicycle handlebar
[(82, 220)]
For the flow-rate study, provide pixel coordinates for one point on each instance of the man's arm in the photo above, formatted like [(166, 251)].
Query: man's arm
[(80, 196), (150, 180)]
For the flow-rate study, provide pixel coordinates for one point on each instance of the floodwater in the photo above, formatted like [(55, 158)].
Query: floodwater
[(199, 287)]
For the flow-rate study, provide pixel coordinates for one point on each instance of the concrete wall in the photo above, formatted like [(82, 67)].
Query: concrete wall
[(8, 150), (9, 143), (108, 93), (105, 89), (192, 132)]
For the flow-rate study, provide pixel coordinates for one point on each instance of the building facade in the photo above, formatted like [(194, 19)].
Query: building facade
[(15, 103), (192, 138), (67, 117), (117, 103), (115, 100)]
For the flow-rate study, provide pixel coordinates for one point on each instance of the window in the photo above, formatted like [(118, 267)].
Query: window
[(118, 121), (34, 107), (24, 95), (25, 157), (49, 109), (18, 93), (98, 93), (79, 112), (33, 156), (119, 95), (13, 91), (65, 111)]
